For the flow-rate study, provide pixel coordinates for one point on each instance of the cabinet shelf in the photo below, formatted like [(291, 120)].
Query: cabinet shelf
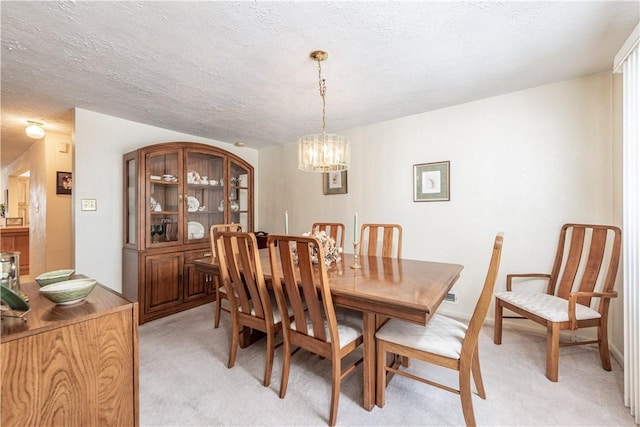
[(161, 182), (205, 187)]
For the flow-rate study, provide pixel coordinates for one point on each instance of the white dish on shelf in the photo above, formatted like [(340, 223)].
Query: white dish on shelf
[(195, 230), (156, 177), (193, 204)]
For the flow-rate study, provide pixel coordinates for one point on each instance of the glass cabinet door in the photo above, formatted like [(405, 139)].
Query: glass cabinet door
[(164, 206), (130, 200), (240, 203), (205, 184)]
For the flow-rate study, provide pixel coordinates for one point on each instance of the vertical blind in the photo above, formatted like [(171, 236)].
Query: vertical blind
[(627, 61)]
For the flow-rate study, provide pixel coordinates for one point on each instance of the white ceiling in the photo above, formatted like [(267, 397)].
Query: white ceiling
[(240, 71)]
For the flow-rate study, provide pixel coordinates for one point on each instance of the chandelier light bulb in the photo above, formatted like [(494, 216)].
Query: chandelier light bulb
[(34, 130)]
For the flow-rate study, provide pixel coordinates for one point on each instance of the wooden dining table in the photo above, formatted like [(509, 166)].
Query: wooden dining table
[(405, 289)]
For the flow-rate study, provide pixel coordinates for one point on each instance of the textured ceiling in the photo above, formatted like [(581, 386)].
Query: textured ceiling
[(240, 71)]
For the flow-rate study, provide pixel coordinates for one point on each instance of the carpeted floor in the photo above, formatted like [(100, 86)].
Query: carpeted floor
[(184, 381)]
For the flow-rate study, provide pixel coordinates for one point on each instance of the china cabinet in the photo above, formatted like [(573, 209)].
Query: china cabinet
[(173, 193)]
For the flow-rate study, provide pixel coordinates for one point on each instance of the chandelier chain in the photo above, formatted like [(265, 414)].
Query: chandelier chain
[(322, 85)]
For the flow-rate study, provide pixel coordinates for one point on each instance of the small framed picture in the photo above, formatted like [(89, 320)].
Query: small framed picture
[(334, 182), (14, 221), (63, 182), (431, 182)]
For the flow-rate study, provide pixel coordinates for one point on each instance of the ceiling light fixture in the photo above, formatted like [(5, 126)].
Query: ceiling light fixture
[(323, 152), (34, 130)]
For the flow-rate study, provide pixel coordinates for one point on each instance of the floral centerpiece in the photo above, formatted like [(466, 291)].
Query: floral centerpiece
[(331, 251)]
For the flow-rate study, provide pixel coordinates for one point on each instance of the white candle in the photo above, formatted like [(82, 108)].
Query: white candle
[(286, 222), (355, 228)]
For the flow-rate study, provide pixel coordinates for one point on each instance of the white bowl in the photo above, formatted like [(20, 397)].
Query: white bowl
[(69, 291), (54, 276)]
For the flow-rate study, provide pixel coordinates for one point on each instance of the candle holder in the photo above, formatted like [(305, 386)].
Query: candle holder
[(355, 264)]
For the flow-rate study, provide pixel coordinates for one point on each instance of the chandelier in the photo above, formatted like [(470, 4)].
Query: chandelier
[(323, 152)]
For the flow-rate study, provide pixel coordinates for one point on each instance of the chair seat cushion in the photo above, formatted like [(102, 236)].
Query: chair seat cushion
[(549, 307), (442, 335), (349, 326), (277, 316)]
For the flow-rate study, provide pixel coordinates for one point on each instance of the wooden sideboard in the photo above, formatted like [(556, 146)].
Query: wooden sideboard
[(71, 365), (16, 239)]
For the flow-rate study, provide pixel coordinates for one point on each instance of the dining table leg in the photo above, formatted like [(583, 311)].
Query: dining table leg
[(369, 356)]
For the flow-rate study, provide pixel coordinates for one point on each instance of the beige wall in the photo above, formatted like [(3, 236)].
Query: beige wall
[(59, 253), (617, 307), (100, 142), (50, 217), (523, 163)]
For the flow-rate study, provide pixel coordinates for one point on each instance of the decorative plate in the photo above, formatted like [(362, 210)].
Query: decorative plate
[(12, 299), (195, 230), (193, 204)]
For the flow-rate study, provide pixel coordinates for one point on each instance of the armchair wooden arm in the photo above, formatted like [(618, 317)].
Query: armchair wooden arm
[(573, 300), (510, 277)]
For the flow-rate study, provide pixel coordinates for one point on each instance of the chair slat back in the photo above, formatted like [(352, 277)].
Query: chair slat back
[(241, 273), (335, 230), (390, 236), (482, 306), (586, 260), (304, 286), (221, 227)]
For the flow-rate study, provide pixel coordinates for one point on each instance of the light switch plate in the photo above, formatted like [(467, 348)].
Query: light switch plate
[(89, 205)]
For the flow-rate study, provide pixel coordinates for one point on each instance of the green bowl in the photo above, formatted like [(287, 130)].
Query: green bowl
[(69, 291), (53, 277)]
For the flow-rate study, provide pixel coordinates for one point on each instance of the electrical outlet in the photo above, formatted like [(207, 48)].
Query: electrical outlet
[(451, 297), (89, 205)]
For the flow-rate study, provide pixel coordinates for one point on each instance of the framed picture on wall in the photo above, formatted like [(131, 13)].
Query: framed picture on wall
[(431, 182), (334, 182), (63, 182)]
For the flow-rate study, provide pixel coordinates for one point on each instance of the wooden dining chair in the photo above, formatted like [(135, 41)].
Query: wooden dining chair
[(578, 291), (443, 341), (335, 230), (220, 291), (390, 236), (316, 325), (250, 302)]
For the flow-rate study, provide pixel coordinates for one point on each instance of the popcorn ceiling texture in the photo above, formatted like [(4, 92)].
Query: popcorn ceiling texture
[(239, 71)]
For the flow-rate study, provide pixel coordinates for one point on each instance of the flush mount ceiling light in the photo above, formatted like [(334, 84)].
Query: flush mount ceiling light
[(34, 130), (323, 152)]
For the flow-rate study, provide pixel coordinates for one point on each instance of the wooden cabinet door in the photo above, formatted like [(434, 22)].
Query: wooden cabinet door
[(164, 281), (78, 375), (197, 285)]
